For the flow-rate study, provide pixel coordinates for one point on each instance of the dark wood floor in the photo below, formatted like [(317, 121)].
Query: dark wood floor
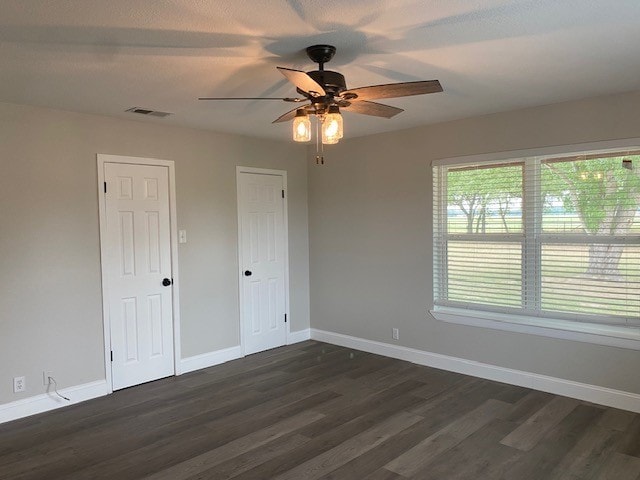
[(317, 411)]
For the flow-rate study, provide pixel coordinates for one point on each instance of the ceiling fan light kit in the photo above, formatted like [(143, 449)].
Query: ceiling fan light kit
[(326, 93)]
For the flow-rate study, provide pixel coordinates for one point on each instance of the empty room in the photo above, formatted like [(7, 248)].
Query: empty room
[(304, 239)]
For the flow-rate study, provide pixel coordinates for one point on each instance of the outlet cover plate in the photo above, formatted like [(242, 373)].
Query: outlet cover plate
[(19, 384)]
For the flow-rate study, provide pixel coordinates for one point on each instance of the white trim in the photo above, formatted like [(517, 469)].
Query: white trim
[(173, 226), (299, 336), (599, 334), (50, 401), (260, 171), (106, 323), (285, 219), (572, 149), (210, 359), (582, 391)]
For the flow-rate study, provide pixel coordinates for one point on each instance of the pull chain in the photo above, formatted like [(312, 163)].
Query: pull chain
[(319, 144)]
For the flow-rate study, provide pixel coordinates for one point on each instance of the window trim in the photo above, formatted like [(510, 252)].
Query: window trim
[(600, 334), (623, 336)]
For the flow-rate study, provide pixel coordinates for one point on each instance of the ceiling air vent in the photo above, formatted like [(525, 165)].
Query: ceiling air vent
[(146, 111)]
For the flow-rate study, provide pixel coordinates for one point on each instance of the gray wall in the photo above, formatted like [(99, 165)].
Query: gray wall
[(370, 237), (50, 292)]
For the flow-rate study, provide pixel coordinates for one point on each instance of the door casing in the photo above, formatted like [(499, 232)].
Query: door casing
[(283, 174), (173, 231)]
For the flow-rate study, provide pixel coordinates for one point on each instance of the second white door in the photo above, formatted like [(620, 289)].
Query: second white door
[(262, 255)]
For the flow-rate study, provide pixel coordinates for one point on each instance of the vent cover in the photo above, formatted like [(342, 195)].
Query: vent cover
[(146, 111)]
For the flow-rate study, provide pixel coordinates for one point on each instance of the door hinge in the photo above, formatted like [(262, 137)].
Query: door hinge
[(112, 355), (282, 193), (285, 318), (105, 187)]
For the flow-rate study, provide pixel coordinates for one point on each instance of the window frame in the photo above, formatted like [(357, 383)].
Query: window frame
[(596, 329)]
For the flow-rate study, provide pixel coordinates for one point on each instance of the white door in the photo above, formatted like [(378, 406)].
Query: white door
[(262, 256), (138, 273)]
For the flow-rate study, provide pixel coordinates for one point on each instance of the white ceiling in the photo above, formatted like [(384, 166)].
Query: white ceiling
[(104, 56)]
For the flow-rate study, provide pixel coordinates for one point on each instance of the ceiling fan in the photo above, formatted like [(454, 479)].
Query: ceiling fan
[(326, 93)]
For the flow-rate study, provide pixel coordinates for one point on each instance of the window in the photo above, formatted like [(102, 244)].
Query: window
[(545, 237)]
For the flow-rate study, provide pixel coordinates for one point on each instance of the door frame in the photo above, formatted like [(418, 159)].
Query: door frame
[(285, 218), (173, 234)]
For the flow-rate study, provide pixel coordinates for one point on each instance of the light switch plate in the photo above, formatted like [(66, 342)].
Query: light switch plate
[(182, 236)]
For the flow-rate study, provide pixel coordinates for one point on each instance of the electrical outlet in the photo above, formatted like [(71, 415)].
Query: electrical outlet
[(395, 333), (19, 384), (45, 377)]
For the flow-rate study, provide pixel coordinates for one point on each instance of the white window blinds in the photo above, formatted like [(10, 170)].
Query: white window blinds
[(547, 237)]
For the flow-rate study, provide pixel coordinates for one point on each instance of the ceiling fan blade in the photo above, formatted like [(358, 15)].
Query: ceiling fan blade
[(393, 90), (285, 99), (303, 81), (374, 109), (290, 115)]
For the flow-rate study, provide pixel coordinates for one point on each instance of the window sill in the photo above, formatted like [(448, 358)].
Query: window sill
[(609, 335)]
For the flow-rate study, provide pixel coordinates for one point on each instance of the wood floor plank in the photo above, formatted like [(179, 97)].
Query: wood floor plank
[(528, 405), (438, 385), (480, 456), (630, 444), (344, 409), (619, 467), (330, 437), (235, 466), (341, 454), (236, 447), (540, 461), (462, 397), (375, 459), (583, 460), (615, 419), (526, 436), (382, 474), (415, 459)]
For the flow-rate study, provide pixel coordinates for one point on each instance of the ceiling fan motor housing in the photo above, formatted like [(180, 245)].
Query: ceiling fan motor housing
[(332, 82)]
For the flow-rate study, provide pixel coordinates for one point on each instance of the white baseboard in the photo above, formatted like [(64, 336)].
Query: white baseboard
[(299, 336), (582, 391), (210, 359), (47, 401)]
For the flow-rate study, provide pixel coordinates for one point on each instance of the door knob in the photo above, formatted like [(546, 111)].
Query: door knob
[(248, 273), (166, 282)]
